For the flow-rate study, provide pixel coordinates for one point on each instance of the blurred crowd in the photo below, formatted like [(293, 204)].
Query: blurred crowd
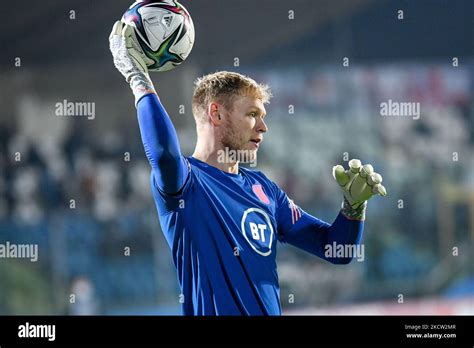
[(94, 189), (87, 205), (97, 174)]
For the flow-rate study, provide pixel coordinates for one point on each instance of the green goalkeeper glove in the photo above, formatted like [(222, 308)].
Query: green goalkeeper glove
[(358, 184), (130, 60)]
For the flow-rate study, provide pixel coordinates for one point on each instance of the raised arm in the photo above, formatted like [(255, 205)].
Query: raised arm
[(160, 142), (158, 134)]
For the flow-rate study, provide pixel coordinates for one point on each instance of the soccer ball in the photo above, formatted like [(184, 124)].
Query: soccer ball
[(164, 31)]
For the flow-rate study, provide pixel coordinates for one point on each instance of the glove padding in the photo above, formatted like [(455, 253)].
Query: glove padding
[(130, 60), (359, 183)]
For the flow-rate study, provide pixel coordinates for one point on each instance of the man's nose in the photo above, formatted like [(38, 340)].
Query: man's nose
[(262, 127)]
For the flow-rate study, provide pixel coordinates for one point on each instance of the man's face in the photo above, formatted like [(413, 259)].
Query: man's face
[(243, 127)]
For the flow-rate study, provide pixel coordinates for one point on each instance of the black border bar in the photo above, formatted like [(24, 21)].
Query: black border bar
[(288, 330)]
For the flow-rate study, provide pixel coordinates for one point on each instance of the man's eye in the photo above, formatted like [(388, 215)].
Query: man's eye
[(253, 114)]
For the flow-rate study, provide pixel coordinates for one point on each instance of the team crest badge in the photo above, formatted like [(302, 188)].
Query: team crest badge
[(258, 190)]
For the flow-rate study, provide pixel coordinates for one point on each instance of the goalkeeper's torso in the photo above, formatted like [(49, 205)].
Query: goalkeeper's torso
[(222, 232)]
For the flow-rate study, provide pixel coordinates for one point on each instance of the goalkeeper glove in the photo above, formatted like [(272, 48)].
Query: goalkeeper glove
[(130, 60), (358, 184)]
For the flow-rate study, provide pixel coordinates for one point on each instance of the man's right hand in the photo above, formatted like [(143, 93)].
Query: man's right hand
[(129, 60)]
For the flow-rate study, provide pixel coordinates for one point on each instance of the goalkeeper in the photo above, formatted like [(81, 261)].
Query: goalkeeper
[(221, 221)]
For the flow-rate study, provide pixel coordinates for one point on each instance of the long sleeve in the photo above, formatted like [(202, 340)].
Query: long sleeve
[(300, 229), (161, 145)]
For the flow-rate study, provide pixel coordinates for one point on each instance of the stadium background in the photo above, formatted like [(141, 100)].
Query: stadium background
[(105, 247)]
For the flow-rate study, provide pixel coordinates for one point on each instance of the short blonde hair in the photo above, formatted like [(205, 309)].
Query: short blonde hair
[(222, 87)]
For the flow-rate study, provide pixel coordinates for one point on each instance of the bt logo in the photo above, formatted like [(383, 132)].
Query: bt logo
[(258, 230)]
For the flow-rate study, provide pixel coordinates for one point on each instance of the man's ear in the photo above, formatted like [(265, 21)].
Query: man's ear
[(213, 111)]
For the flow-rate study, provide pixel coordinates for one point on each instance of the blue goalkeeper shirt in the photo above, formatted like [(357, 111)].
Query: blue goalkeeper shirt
[(223, 228)]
